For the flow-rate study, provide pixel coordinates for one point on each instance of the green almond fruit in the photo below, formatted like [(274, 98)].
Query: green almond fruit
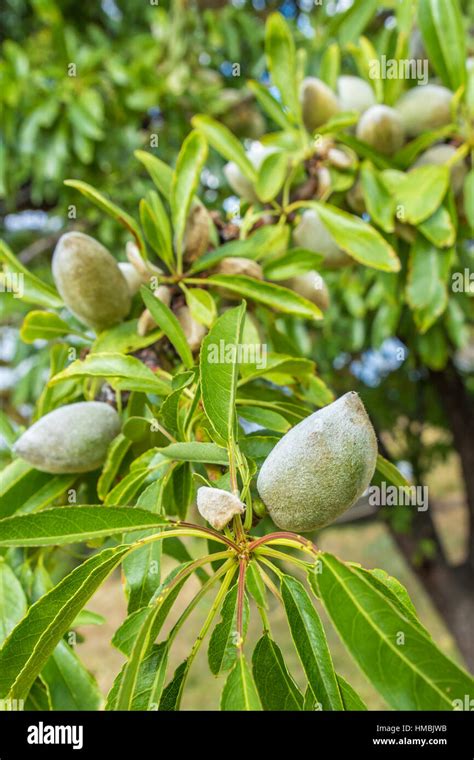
[(424, 107), (318, 103), (90, 281), (381, 127), (312, 287), (355, 94), (311, 233), (320, 467), (72, 438)]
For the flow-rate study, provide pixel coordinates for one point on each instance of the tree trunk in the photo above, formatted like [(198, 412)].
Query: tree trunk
[(459, 410)]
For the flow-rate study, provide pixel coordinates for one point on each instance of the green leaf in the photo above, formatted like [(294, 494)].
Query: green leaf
[(165, 319), (25, 285), (274, 296), (469, 198), (391, 473), (442, 30), (331, 65), (380, 203), (358, 239), (44, 325), (310, 642), (423, 273), (271, 176), (141, 568), (410, 673), (196, 451), (350, 698), (156, 227), (71, 687), (439, 228), (172, 693), (224, 644), (294, 262), (222, 140), (255, 585), (191, 160), (240, 692), (111, 209), (149, 682), (419, 192), (201, 305), (219, 378), (161, 173), (27, 490), (66, 525), (281, 61), (123, 372), (407, 155), (269, 104), (276, 687), (267, 418), (13, 603), (115, 456), (33, 640), (124, 339)]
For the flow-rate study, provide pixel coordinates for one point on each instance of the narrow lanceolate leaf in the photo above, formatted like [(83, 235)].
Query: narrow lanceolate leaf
[(149, 683), (274, 296), (222, 140), (172, 693), (310, 642), (350, 698), (110, 208), (380, 203), (32, 641), (165, 319), (276, 687), (123, 372), (219, 371), (13, 602), (65, 525), (391, 473), (141, 568), (27, 286), (271, 176), (442, 30), (281, 59), (240, 692), (161, 173), (403, 664), (190, 163), (196, 451), (223, 644), (358, 239), (269, 104), (71, 687)]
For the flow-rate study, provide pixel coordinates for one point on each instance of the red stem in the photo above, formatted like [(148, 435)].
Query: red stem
[(214, 533)]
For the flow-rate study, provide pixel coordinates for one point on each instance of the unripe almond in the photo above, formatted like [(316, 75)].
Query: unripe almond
[(218, 507), (318, 103), (311, 233), (439, 154), (320, 467), (193, 330), (89, 281), (196, 234), (381, 128), (312, 287), (355, 94), (238, 265), (72, 438), (424, 107)]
